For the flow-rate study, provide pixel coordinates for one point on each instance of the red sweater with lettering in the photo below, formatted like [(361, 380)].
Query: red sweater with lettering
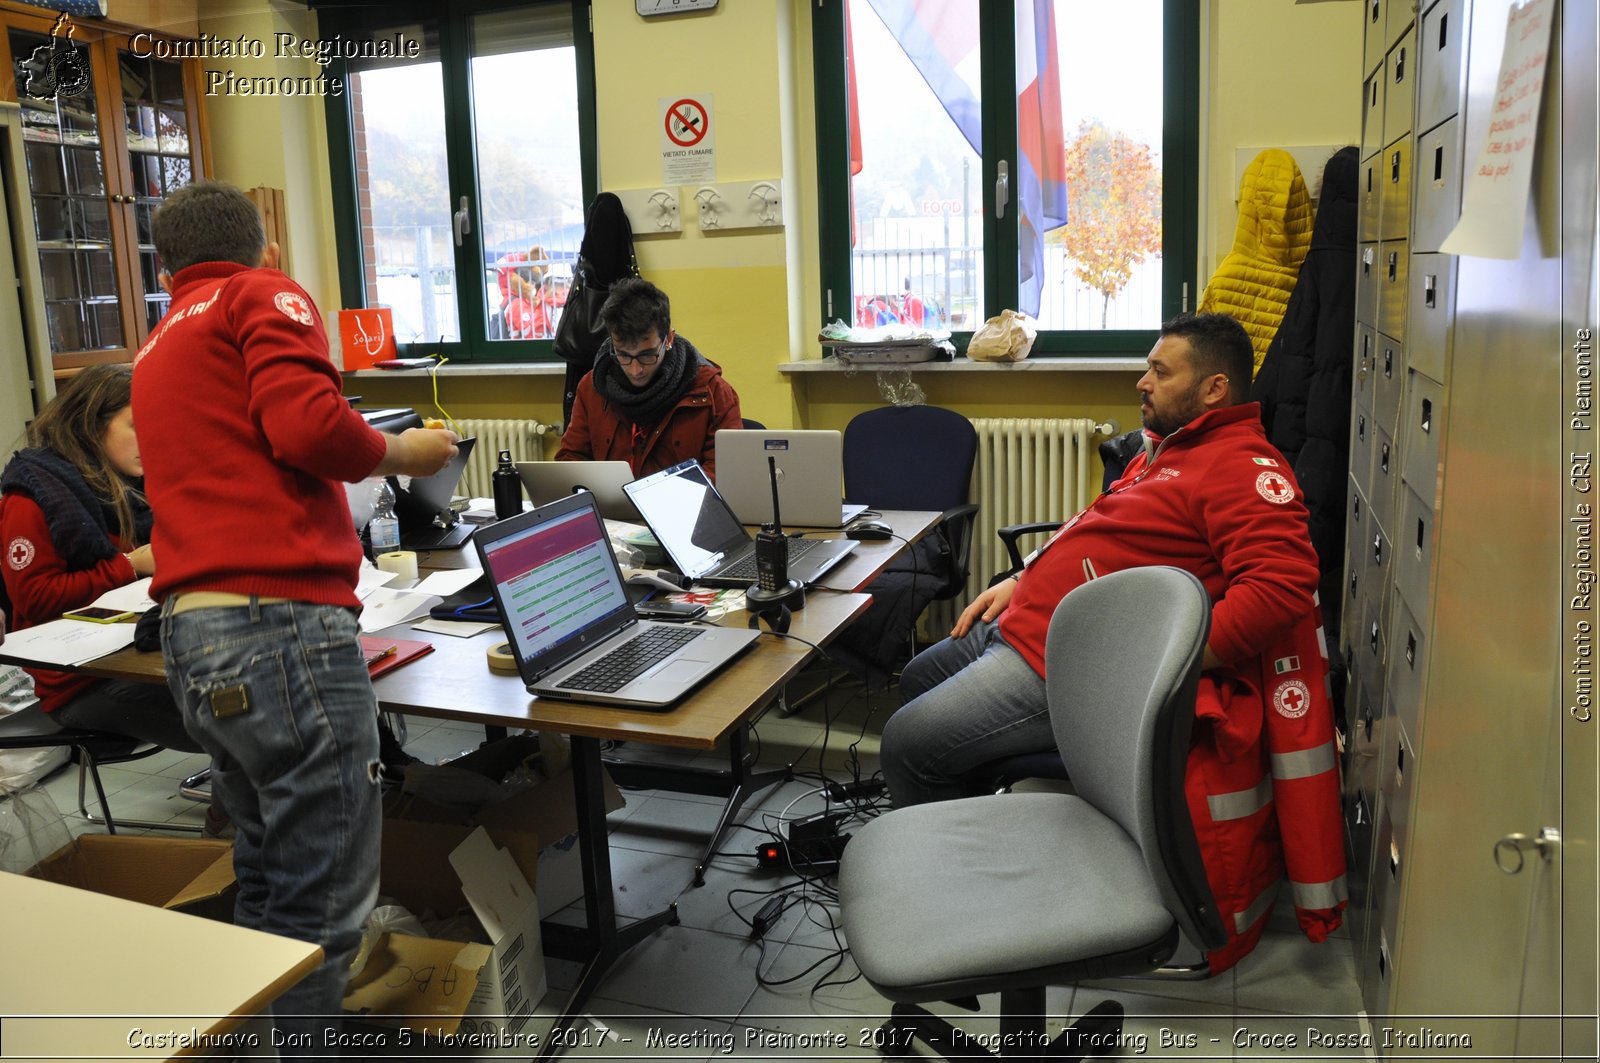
[(1214, 498), (246, 436)]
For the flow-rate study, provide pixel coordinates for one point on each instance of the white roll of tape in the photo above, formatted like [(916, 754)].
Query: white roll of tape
[(401, 562)]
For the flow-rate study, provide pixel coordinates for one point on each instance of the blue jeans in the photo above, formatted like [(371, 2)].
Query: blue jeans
[(965, 702), (279, 696)]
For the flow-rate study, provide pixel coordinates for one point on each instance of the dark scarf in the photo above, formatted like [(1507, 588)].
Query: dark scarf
[(82, 523), (646, 406)]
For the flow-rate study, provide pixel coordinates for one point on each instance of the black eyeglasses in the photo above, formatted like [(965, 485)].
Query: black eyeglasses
[(647, 357)]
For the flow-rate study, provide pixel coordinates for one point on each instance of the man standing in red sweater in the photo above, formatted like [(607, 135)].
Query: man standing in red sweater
[(246, 437), (1210, 496)]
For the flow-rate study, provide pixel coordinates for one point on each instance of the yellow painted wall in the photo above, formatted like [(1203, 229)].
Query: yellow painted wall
[(277, 141), (1275, 73), (1278, 74)]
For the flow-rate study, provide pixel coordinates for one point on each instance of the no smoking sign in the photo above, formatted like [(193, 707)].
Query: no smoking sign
[(688, 144)]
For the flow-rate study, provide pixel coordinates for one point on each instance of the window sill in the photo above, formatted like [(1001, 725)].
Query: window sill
[(469, 369), (967, 365)]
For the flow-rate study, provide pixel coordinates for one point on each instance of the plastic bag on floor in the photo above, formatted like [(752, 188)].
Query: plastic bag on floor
[(31, 828), (23, 767)]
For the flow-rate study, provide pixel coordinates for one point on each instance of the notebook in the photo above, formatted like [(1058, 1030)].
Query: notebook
[(573, 630), (547, 481), (810, 464), (426, 520), (706, 541)]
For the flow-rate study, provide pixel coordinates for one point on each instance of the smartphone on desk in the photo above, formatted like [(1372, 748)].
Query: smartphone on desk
[(98, 614), (653, 610)]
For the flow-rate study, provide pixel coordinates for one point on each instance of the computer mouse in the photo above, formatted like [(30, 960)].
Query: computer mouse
[(870, 530), (660, 579)]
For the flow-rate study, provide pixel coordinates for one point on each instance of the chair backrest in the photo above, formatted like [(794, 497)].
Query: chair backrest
[(748, 424), (1122, 661), (909, 457)]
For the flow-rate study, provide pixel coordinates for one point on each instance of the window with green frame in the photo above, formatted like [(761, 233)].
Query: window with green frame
[(1039, 155), (461, 170)]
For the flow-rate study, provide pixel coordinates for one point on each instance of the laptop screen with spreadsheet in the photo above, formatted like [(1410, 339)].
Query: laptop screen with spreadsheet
[(557, 582)]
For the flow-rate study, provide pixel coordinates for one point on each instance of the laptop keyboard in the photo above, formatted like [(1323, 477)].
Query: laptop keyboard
[(745, 567), (632, 659)]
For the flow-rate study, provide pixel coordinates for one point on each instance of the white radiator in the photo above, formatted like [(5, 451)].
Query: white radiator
[(524, 437), (1028, 469)]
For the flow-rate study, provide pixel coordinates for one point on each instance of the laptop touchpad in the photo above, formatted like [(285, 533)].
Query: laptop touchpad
[(681, 671)]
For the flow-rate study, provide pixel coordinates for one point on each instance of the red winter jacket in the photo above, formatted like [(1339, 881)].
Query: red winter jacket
[(1262, 782), (1215, 499), (245, 435), (689, 430), (41, 587)]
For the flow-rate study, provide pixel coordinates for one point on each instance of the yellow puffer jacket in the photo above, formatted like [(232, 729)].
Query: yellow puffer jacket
[(1253, 283)]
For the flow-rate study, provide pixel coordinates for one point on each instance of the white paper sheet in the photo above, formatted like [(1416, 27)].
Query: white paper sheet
[(446, 582), (463, 629), (384, 607), (132, 597), (1494, 203), (67, 642), (369, 577)]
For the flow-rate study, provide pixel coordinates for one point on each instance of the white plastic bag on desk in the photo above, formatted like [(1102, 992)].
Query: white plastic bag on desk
[(1006, 338)]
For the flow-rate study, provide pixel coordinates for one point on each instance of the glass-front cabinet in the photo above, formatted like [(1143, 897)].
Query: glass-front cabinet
[(109, 130)]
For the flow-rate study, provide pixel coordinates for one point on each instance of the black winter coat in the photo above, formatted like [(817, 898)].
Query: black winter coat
[(1304, 382)]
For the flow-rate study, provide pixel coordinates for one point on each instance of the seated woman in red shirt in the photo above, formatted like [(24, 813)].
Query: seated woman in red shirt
[(75, 524)]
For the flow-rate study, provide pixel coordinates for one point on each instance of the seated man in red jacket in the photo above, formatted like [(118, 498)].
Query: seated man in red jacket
[(652, 400), (1213, 498)]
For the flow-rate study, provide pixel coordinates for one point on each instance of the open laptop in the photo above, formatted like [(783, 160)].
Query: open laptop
[(810, 476), (547, 481), (573, 629), (426, 520), (706, 541)]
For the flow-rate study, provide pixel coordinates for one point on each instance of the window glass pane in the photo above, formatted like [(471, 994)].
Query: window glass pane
[(1102, 269), (403, 194), (530, 172), (916, 185), (66, 174)]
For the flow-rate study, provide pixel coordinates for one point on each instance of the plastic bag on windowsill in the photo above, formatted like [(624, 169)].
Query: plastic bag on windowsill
[(1005, 338)]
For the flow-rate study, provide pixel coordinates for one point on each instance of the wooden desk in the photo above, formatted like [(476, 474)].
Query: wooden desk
[(76, 958)]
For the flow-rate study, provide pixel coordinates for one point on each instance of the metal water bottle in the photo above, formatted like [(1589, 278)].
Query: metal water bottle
[(507, 488)]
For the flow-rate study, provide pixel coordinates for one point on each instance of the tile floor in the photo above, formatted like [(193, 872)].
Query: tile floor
[(723, 995)]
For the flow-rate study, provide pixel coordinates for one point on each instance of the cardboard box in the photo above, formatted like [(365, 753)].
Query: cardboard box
[(193, 875), (546, 811), (438, 985)]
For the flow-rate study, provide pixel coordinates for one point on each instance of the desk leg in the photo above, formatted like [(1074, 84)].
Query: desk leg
[(743, 784), (602, 942)]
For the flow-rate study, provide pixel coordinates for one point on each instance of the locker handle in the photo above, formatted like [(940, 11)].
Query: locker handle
[(1545, 844), (1383, 458), (1388, 363), (1400, 67), (1377, 10), (1377, 549), (1429, 289), (1394, 169), (1394, 266), (1427, 416)]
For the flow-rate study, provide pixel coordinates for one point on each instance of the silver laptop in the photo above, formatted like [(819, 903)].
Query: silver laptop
[(427, 522), (810, 470), (706, 541), (547, 481), (573, 629)]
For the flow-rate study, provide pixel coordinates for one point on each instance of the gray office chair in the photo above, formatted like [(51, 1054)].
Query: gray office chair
[(32, 728), (1010, 893)]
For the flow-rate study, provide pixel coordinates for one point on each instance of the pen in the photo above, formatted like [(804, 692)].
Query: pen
[(387, 651)]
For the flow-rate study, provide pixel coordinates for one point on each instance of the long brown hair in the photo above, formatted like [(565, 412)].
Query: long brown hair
[(73, 425)]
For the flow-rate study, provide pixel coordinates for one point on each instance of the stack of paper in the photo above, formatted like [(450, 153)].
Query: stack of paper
[(384, 606)]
